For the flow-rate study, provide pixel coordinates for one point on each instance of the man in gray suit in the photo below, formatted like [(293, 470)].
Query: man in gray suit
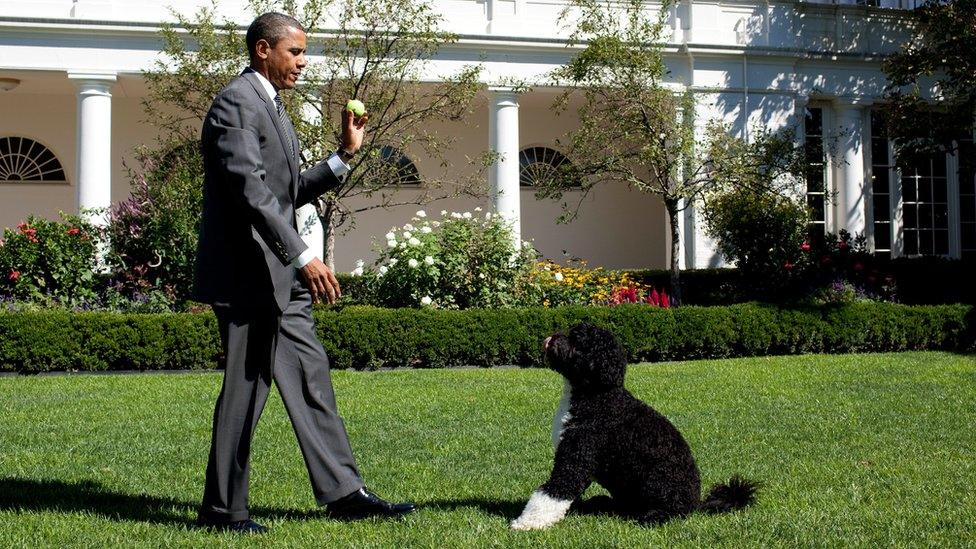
[(249, 260)]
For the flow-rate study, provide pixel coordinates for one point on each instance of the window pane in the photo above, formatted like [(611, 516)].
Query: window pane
[(967, 209), (882, 236), (942, 242), (924, 216), (911, 242), (941, 217), (939, 167), (925, 190), (909, 189), (816, 204), (881, 208), (910, 216), (969, 236), (879, 151), (925, 242), (880, 180), (941, 193)]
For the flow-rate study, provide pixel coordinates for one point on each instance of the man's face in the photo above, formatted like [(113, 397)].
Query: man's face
[(285, 60)]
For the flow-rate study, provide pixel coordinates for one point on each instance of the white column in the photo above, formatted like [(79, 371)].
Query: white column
[(503, 137), (850, 183), (94, 143)]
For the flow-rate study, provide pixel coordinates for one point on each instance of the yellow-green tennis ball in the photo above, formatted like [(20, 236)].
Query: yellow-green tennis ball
[(356, 106)]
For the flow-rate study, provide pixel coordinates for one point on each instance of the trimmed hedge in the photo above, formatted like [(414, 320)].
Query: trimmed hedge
[(366, 338)]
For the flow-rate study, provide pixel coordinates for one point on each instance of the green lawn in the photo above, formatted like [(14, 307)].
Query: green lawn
[(857, 450)]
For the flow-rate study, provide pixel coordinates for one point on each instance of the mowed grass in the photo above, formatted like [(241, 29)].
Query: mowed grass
[(853, 451)]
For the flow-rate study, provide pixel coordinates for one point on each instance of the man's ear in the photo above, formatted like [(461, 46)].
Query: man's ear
[(261, 48)]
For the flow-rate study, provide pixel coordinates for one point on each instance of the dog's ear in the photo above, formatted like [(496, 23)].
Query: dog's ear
[(601, 362)]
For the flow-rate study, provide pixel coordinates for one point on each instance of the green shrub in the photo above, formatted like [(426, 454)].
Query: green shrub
[(368, 337), (48, 261), (153, 233), (458, 262)]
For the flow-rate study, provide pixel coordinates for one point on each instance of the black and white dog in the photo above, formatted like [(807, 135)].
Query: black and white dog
[(604, 433)]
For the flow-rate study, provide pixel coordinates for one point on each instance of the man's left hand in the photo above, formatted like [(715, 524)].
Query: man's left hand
[(353, 130)]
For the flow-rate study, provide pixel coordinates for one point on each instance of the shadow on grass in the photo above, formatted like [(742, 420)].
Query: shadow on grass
[(87, 496), (504, 509)]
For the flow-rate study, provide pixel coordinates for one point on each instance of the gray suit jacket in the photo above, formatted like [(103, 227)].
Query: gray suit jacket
[(252, 186)]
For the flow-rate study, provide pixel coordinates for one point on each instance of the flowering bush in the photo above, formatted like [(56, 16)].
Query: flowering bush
[(575, 284), (153, 233), (48, 261), (839, 269), (462, 260)]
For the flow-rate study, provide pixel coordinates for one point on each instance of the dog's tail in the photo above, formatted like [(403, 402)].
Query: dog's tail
[(734, 494)]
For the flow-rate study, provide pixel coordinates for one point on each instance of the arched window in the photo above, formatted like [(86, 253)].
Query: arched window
[(24, 160), (539, 164), (406, 171)]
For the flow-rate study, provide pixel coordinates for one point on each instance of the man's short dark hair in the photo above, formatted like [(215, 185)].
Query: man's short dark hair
[(271, 27)]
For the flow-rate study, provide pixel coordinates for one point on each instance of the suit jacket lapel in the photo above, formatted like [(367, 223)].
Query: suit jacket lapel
[(283, 133)]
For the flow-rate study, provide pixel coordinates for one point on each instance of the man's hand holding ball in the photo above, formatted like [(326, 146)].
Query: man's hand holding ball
[(354, 119)]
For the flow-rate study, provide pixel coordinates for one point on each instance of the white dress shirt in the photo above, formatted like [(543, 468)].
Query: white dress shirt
[(339, 168)]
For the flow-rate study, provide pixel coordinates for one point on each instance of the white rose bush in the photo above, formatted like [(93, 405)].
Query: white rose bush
[(461, 261)]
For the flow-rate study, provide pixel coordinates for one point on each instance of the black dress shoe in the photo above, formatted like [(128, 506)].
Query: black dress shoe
[(364, 504), (247, 526)]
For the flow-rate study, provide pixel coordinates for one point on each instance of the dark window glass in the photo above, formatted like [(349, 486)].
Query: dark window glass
[(925, 242), (911, 242), (967, 209), (23, 159), (880, 181), (406, 170), (881, 208), (882, 237), (941, 242), (910, 215), (969, 236), (909, 189), (539, 165)]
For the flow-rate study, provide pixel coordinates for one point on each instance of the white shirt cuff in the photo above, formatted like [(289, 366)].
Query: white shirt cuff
[(303, 259), (339, 168)]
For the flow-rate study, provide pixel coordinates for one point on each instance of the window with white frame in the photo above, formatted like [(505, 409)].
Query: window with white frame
[(882, 173), (23, 160), (816, 175), (538, 165), (967, 197), (925, 205), (406, 170)]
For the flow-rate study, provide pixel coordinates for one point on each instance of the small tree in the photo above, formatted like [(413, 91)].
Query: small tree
[(377, 52), (632, 128), (940, 52)]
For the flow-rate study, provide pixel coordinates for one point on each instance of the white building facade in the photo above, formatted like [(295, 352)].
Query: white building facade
[(71, 91)]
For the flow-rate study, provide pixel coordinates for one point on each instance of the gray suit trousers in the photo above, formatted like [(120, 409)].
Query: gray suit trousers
[(259, 346)]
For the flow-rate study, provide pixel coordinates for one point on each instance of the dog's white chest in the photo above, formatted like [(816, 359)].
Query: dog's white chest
[(562, 414)]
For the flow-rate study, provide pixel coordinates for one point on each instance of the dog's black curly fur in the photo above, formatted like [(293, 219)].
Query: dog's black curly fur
[(626, 446)]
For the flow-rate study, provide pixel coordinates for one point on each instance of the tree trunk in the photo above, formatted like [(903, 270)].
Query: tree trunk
[(673, 220), (328, 227)]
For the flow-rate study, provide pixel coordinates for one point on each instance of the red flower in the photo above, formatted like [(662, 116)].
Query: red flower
[(788, 266), (665, 300), (653, 298), (843, 245), (73, 231), (14, 275), (22, 227), (805, 246)]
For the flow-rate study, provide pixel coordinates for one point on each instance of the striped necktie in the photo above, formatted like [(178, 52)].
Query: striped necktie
[(282, 118)]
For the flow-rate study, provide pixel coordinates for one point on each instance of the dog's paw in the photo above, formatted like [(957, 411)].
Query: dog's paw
[(525, 525)]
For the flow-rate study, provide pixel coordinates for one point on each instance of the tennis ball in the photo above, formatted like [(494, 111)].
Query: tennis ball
[(356, 106)]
